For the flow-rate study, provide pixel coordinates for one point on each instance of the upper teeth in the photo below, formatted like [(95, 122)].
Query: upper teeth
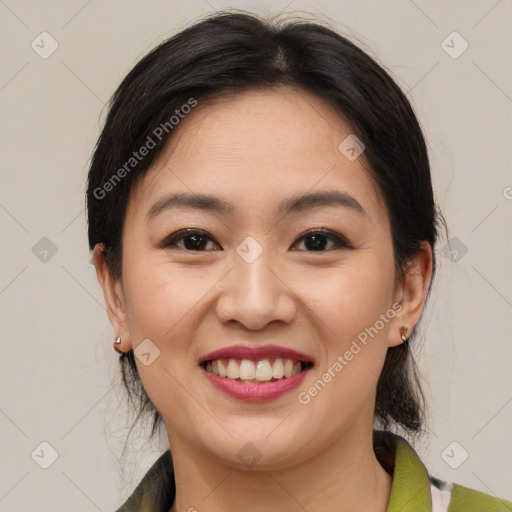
[(263, 370)]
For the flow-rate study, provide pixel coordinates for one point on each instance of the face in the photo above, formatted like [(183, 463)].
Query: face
[(264, 265)]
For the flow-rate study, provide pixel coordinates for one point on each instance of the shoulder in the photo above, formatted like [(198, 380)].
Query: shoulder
[(464, 499), (414, 488)]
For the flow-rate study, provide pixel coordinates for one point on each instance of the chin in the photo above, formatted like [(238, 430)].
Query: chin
[(257, 452)]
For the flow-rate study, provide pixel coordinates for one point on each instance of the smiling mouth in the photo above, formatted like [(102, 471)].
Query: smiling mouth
[(257, 371)]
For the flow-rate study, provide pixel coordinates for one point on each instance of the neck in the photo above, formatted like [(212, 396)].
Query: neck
[(345, 476)]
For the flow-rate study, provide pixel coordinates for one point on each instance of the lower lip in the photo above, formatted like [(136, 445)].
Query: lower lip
[(253, 392)]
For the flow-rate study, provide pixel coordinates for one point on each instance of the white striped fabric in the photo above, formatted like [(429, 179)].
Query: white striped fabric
[(440, 496)]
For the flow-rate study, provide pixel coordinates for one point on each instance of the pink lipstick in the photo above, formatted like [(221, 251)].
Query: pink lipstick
[(269, 371)]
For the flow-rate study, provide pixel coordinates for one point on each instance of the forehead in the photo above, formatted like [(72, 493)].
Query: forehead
[(255, 149)]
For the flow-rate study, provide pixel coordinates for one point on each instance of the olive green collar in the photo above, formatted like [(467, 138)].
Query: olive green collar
[(410, 489)]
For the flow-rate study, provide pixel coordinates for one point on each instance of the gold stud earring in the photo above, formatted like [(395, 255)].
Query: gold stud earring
[(117, 342), (403, 332)]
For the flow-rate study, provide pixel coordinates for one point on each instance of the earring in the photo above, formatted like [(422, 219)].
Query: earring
[(117, 342), (403, 331)]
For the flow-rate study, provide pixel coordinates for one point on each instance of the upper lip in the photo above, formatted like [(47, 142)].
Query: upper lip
[(255, 353)]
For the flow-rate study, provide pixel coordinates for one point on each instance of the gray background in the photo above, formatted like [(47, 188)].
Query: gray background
[(60, 383)]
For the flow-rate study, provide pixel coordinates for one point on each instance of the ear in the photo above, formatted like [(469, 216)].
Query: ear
[(114, 297), (411, 294)]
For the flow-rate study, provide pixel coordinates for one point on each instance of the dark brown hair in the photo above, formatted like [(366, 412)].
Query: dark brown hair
[(226, 53)]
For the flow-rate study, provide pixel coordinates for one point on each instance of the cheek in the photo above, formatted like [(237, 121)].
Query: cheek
[(161, 305), (159, 299), (353, 352), (352, 299), (352, 308)]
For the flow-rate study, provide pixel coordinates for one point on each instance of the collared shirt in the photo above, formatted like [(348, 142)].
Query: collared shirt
[(413, 489)]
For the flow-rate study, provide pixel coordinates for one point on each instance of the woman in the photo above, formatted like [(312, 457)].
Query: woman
[(263, 227)]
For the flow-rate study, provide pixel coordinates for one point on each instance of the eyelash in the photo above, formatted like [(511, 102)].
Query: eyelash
[(172, 240)]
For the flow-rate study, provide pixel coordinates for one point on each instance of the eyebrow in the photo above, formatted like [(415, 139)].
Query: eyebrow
[(295, 204)]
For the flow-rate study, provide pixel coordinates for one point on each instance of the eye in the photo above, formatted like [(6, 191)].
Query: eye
[(194, 240), (317, 240), (197, 240)]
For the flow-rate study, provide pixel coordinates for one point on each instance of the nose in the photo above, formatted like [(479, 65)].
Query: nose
[(255, 294)]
